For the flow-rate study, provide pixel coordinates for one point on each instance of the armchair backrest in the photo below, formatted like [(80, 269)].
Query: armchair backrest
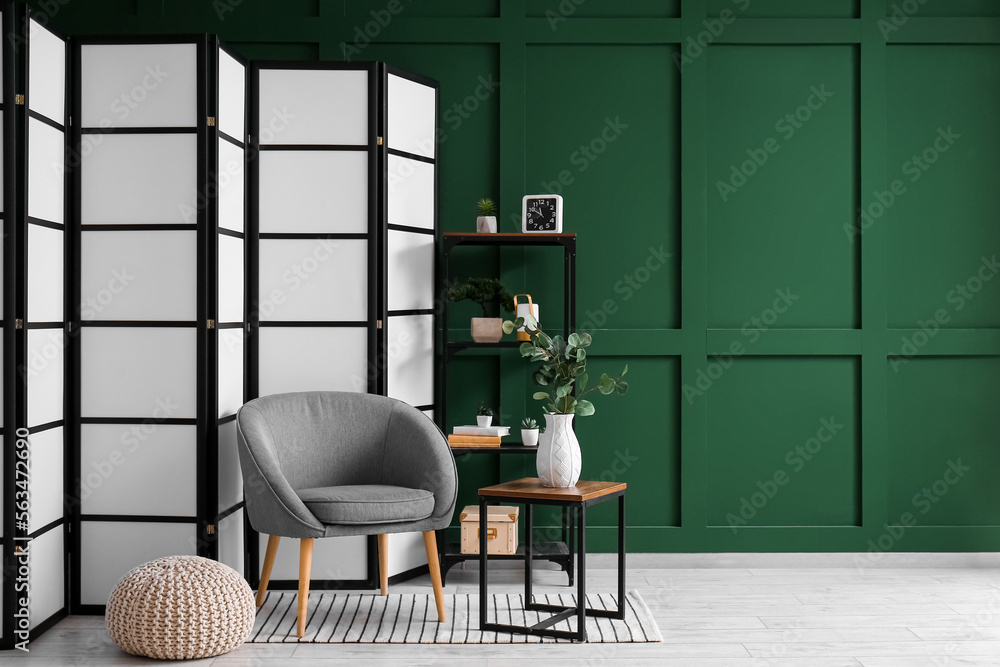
[(319, 438)]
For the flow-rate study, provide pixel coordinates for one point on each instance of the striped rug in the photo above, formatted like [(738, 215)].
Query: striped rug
[(336, 618)]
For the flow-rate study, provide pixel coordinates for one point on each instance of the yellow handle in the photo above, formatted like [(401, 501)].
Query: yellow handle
[(531, 306), (491, 533)]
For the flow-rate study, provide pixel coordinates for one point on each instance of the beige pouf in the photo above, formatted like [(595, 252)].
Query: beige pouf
[(180, 607)]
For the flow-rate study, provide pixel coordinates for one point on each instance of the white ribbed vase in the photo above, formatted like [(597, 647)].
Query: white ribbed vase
[(558, 460)]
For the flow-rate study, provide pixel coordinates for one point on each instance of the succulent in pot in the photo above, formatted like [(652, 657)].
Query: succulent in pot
[(485, 414), (529, 432), (486, 216)]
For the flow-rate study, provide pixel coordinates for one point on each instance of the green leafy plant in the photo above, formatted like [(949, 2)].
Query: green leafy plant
[(529, 422), (486, 207), (485, 410), (563, 369), (483, 291)]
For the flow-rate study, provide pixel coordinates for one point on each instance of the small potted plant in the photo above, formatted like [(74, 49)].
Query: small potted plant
[(529, 432), (486, 222), (484, 416), (485, 292)]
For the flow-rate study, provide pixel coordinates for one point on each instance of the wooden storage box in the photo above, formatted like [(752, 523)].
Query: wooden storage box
[(501, 530)]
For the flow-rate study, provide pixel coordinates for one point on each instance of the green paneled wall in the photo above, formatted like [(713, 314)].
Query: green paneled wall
[(764, 322)]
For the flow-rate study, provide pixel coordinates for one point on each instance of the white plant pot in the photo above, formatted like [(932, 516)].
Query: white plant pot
[(559, 459), (484, 420), (486, 224), (529, 437)]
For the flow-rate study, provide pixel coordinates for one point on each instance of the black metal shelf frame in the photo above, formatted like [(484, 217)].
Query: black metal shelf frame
[(559, 552)]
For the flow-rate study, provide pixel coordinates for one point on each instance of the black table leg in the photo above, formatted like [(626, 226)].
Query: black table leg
[(581, 583), (482, 563), (527, 553), (621, 556), (570, 526)]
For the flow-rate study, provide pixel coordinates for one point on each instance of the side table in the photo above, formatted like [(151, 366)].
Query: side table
[(529, 492)]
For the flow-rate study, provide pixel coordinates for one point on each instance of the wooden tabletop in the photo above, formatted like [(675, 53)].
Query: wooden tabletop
[(530, 488)]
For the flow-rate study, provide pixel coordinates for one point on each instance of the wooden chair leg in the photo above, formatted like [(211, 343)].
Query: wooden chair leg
[(265, 572), (383, 563), (305, 569), (430, 544)]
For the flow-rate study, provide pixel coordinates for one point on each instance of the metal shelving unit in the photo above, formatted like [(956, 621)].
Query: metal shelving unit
[(559, 552)]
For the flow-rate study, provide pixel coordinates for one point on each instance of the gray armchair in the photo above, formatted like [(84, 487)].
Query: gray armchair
[(325, 464)]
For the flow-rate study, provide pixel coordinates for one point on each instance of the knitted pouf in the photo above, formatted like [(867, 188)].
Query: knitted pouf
[(180, 607)]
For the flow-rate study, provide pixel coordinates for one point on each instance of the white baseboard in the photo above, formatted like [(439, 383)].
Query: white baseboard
[(801, 560), (851, 560)]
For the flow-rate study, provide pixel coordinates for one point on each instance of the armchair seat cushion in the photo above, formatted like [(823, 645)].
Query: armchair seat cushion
[(367, 503)]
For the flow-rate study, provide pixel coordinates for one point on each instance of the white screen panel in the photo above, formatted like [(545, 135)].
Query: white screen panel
[(406, 551), (140, 178), (313, 107), (46, 353), (232, 173), (230, 475), (111, 548), (1, 153), (46, 171), (412, 116), (147, 469), (230, 371), (139, 85), (411, 192), (232, 96), (313, 359), (410, 352), (138, 372), (410, 270), (46, 259), (46, 73), (48, 558), (139, 275), (230, 537), (313, 280), (314, 191), (333, 558), (46, 477), (231, 275)]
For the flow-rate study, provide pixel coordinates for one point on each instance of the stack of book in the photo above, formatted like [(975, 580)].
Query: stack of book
[(465, 437)]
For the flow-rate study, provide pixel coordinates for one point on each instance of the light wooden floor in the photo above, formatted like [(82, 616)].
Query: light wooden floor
[(708, 617)]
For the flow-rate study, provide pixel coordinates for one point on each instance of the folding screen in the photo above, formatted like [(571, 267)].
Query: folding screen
[(313, 214), (142, 110), (409, 195), (42, 343), (138, 274), (227, 307)]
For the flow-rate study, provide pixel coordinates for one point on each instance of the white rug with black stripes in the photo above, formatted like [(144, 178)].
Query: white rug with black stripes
[(364, 618)]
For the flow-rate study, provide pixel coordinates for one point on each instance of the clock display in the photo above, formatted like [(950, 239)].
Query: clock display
[(542, 213)]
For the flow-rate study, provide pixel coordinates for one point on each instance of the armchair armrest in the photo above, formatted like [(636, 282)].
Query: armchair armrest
[(417, 456), (272, 505)]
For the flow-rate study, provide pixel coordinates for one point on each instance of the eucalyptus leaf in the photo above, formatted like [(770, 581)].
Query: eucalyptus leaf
[(573, 340), (526, 349), (621, 387), (584, 408), (581, 382), (540, 396), (581, 354), (563, 390)]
